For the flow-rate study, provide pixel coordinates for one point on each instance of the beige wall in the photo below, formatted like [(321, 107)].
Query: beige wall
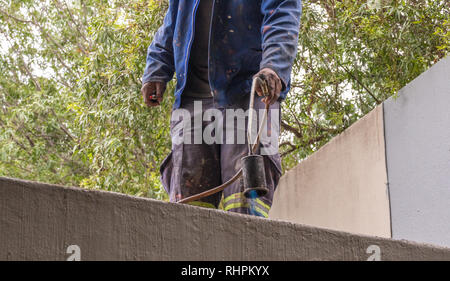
[(41, 222), (342, 186)]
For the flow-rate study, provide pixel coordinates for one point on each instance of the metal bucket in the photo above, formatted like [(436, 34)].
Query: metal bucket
[(254, 176)]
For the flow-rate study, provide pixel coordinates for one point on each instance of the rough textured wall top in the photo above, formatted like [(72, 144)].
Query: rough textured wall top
[(42, 222)]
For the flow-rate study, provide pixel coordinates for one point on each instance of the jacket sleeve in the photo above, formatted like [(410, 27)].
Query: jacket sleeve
[(279, 30), (160, 65)]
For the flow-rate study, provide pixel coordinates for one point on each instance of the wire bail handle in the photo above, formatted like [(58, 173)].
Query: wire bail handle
[(265, 90)]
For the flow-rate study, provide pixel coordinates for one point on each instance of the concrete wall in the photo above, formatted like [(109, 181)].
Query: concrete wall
[(418, 154), (397, 158), (343, 185), (40, 221)]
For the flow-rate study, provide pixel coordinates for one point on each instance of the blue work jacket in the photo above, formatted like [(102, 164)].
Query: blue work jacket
[(245, 36)]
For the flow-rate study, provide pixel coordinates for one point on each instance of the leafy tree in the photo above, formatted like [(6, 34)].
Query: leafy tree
[(352, 56), (71, 110)]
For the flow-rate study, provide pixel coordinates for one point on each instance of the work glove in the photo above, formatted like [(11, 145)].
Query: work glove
[(153, 93), (273, 83)]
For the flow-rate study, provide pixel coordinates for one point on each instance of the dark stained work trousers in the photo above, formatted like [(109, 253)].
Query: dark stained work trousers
[(197, 165)]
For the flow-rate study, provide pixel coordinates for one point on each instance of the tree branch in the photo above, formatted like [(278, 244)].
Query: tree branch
[(291, 129)]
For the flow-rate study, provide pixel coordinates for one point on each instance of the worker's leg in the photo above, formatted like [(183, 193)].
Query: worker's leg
[(191, 167), (232, 153)]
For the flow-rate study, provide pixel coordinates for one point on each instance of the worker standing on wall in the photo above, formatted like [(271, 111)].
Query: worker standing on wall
[(216, 47)]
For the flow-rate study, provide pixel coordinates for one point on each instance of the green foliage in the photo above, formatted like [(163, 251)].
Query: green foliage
[(352, 56), (72, 113)]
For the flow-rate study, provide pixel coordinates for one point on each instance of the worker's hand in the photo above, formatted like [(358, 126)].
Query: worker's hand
[(153, 93), (273, 83)]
